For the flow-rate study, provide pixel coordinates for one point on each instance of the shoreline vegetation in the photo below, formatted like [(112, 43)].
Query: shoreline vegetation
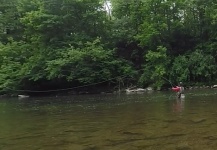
[(132, 90), (56, 46)]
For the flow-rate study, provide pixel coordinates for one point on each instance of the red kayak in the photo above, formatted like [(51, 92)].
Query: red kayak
[(176, 89)]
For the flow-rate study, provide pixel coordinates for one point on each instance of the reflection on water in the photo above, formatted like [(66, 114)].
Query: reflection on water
[(111, 122), (178, 105)]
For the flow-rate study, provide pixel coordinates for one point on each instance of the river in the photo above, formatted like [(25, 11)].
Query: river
[(148, 121)]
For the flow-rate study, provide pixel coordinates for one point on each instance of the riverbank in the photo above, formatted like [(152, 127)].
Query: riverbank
[(94, 90)]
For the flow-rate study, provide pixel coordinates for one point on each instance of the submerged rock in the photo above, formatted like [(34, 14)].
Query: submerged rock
[(183, 146), (214, 86), (170, 120), (135, 90), (198, 120), (149, 88), (92, 147), (23, 96)]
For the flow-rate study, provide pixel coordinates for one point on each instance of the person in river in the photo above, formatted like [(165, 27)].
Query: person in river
[(181, 91)]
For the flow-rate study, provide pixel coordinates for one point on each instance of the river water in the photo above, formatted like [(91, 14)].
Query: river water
[(148, 121)]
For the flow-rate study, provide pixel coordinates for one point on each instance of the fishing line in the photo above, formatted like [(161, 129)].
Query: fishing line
[(48, 91), (172, 85)]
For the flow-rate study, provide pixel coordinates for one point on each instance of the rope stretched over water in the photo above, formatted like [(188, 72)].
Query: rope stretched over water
[(66, 89), (172, 85)]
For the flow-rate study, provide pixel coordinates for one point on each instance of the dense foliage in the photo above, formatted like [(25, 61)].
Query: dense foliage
[(68, 43)]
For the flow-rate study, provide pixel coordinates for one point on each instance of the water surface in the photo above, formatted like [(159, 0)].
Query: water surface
[(145, 121)]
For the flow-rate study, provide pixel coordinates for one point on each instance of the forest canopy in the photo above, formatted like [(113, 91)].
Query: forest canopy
[(55, 44)]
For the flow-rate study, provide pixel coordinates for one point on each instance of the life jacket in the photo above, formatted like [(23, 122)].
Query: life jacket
[(176, 89)]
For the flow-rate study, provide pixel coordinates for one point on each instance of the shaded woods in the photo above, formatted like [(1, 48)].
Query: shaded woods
[(58, 44)]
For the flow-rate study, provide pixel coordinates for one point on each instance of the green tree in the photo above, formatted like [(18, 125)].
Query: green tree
[(155, 68), (90, 64)]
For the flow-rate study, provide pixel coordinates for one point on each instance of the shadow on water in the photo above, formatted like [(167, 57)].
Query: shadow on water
[(154, 120)]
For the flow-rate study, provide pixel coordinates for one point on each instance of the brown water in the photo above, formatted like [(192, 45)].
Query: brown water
[(146, 121)]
